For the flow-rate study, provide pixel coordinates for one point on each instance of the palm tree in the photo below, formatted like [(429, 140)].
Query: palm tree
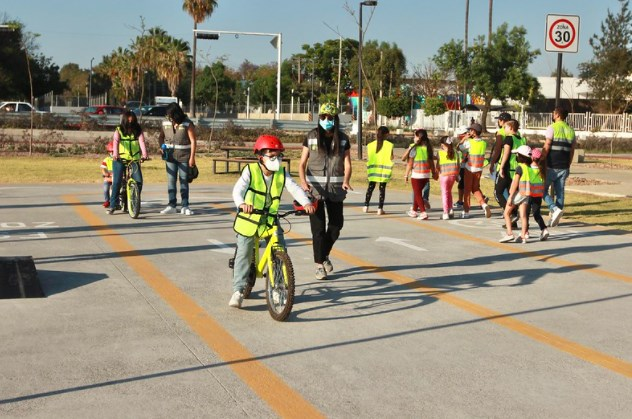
[(199, 10)]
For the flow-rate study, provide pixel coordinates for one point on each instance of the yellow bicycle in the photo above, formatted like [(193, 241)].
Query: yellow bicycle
[(275, 264)]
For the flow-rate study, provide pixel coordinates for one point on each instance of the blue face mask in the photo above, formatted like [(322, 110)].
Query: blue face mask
[(327, 124)]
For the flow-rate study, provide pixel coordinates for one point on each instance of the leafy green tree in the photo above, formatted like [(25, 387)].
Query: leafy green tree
[(609, 70), (498, 69), (75, 78), (434, 106), (214, 86), (393, 106)]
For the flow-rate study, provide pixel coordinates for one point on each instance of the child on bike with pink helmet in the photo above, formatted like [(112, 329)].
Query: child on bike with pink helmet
[(259, 189)]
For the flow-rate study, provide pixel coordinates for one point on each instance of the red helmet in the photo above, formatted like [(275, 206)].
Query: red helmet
[(110, 146), (269, 142)]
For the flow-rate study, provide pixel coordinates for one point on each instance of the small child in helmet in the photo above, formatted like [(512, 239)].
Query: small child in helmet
[(106, 172), (259, 187)]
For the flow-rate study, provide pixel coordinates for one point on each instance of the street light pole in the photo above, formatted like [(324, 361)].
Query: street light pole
[(90, 82), (363, 3)]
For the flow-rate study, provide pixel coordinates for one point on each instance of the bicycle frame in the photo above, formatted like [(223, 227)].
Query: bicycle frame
[(275, 241)]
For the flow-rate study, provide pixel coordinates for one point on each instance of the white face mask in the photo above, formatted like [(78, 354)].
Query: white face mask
[(272, 164)]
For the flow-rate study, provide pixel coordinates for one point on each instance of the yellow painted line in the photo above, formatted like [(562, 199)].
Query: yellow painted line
[(540, 335), (284, 400)]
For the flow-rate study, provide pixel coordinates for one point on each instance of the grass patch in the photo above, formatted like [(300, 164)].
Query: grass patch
[(615, 213)]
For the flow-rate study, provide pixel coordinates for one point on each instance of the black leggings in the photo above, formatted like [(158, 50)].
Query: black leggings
[(534, 206), (325, 233), (369, 193)]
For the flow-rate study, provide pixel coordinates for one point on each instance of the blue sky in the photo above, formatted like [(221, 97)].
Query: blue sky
[(78, 30)]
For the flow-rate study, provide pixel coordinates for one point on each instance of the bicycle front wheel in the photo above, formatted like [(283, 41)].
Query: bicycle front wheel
[(280, 286), (133, 199)]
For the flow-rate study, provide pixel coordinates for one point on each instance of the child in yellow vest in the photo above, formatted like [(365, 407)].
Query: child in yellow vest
[(448, 168), (420, 169), (527, 187), (106, 173), (259, 188), (379, 167)]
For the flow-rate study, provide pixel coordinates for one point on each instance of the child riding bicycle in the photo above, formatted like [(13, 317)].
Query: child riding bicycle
[(259, 189)]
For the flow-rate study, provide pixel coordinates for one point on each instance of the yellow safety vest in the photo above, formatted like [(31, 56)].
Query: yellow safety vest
[(531, 183), (476, 159), (448, 167), (379, 165), (262, 199), (129, 147), (421, 165)]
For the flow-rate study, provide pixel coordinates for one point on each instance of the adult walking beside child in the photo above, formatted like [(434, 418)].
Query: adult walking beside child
[(379, 167), (559, 149)]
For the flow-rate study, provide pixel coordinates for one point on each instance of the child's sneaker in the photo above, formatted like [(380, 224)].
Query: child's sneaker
[(465, 215), (458, 205), (520, 239), (365, 208), (445, 216), (488, 210), (380, 211), (236, 299), (412, 214), (427, 204), (451, 214), (526, 235), (544, 234), (169, 210), (507, 238), (106, 204), (422, 216), (109, 211)]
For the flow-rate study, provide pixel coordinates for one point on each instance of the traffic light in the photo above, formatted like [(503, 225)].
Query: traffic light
[(199, 35)]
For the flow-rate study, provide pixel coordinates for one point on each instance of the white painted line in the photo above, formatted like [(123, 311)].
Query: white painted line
[(401, 242), (221, 247)]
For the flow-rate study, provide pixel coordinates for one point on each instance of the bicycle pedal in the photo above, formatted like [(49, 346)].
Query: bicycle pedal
[(231, 263)]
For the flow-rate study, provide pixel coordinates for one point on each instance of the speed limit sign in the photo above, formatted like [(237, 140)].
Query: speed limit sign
[(562, 33)]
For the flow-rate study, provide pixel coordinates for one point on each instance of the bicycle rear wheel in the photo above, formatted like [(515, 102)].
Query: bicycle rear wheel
[(280, 286), (133, 199)]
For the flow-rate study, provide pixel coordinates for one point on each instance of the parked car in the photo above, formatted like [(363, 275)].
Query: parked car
[(104, 110), (21, 107), (154, 110)]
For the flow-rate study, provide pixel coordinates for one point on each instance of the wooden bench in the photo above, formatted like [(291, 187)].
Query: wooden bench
[(241, 161)]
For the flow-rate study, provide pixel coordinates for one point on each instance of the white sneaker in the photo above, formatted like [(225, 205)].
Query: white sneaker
[(507, 238), (556, 216), (380, 211), (451, 214), (321, 274), (544, 235), (465, 215), (365, 208), (445, 216), (488, 210), (329, 267), (411, 213), (236, 299), (186, 211), (422, 216), (169, 210)]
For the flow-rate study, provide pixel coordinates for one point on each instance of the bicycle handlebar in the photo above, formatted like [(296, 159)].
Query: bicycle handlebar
[(279, 214)]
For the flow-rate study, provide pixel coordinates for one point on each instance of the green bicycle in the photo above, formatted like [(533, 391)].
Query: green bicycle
[(275, 264), (129, 195)]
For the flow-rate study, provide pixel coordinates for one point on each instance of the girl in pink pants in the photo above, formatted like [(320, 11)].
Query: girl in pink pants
[(448, 168)]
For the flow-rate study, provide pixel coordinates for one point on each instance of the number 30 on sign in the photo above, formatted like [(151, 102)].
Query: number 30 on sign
[(562, 33)]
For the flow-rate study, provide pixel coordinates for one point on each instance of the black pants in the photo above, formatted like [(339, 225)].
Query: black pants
[(502, 184), (369, 193), (325, 234), (534, 206)]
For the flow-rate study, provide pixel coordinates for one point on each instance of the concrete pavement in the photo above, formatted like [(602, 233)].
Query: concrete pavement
[(420, 319)]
